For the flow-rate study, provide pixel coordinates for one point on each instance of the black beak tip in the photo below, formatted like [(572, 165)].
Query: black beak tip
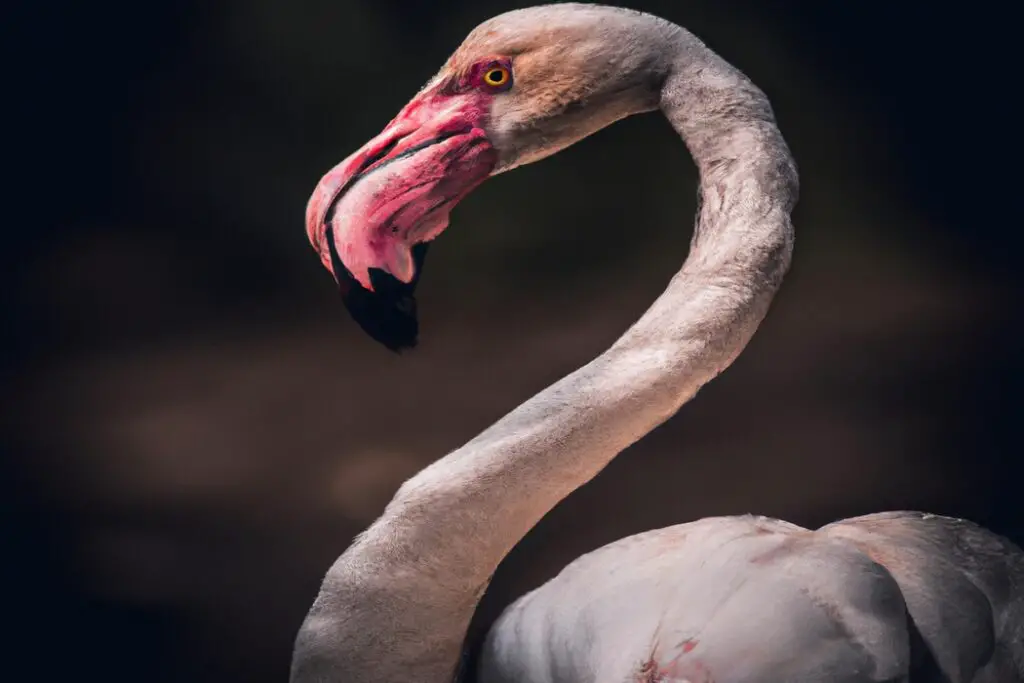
[(388, 313), (390, 320)]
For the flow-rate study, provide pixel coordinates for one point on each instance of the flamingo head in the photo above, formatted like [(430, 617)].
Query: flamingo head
[(521, 87)]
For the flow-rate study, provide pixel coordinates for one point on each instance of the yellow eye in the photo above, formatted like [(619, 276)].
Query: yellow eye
[(497, 76)]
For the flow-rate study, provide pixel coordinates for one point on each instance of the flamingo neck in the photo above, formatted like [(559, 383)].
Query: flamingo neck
[(397, 604)]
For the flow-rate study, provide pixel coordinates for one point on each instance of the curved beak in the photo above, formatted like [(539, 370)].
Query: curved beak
[(371, 216)]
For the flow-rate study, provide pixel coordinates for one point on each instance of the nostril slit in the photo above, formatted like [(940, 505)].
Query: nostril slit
[(386, 150)]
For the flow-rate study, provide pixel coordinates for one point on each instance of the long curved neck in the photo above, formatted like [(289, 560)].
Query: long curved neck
[(396, 605)]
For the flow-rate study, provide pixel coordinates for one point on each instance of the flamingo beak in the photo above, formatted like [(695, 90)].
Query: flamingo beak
[(372, 216)]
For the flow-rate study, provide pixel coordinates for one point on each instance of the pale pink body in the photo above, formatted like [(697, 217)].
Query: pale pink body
[(755, 600)]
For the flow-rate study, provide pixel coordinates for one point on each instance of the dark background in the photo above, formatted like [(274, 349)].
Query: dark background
[(194, 430)]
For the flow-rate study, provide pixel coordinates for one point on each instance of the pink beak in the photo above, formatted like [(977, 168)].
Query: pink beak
[(370, 215)]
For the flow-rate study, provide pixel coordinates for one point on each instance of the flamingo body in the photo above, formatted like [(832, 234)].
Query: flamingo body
[(756, 600)]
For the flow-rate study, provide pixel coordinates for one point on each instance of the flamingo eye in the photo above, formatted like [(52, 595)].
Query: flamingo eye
[(498, 76)]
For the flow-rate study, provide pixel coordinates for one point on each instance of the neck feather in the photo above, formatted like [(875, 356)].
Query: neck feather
[(397, 604)]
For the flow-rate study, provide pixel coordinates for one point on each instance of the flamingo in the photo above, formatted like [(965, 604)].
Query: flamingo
[(896, 596)]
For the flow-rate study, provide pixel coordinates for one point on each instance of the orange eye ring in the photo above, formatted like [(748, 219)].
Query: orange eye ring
[(497, 76)]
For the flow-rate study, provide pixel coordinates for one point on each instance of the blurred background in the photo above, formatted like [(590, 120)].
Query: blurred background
[(194, 430)]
